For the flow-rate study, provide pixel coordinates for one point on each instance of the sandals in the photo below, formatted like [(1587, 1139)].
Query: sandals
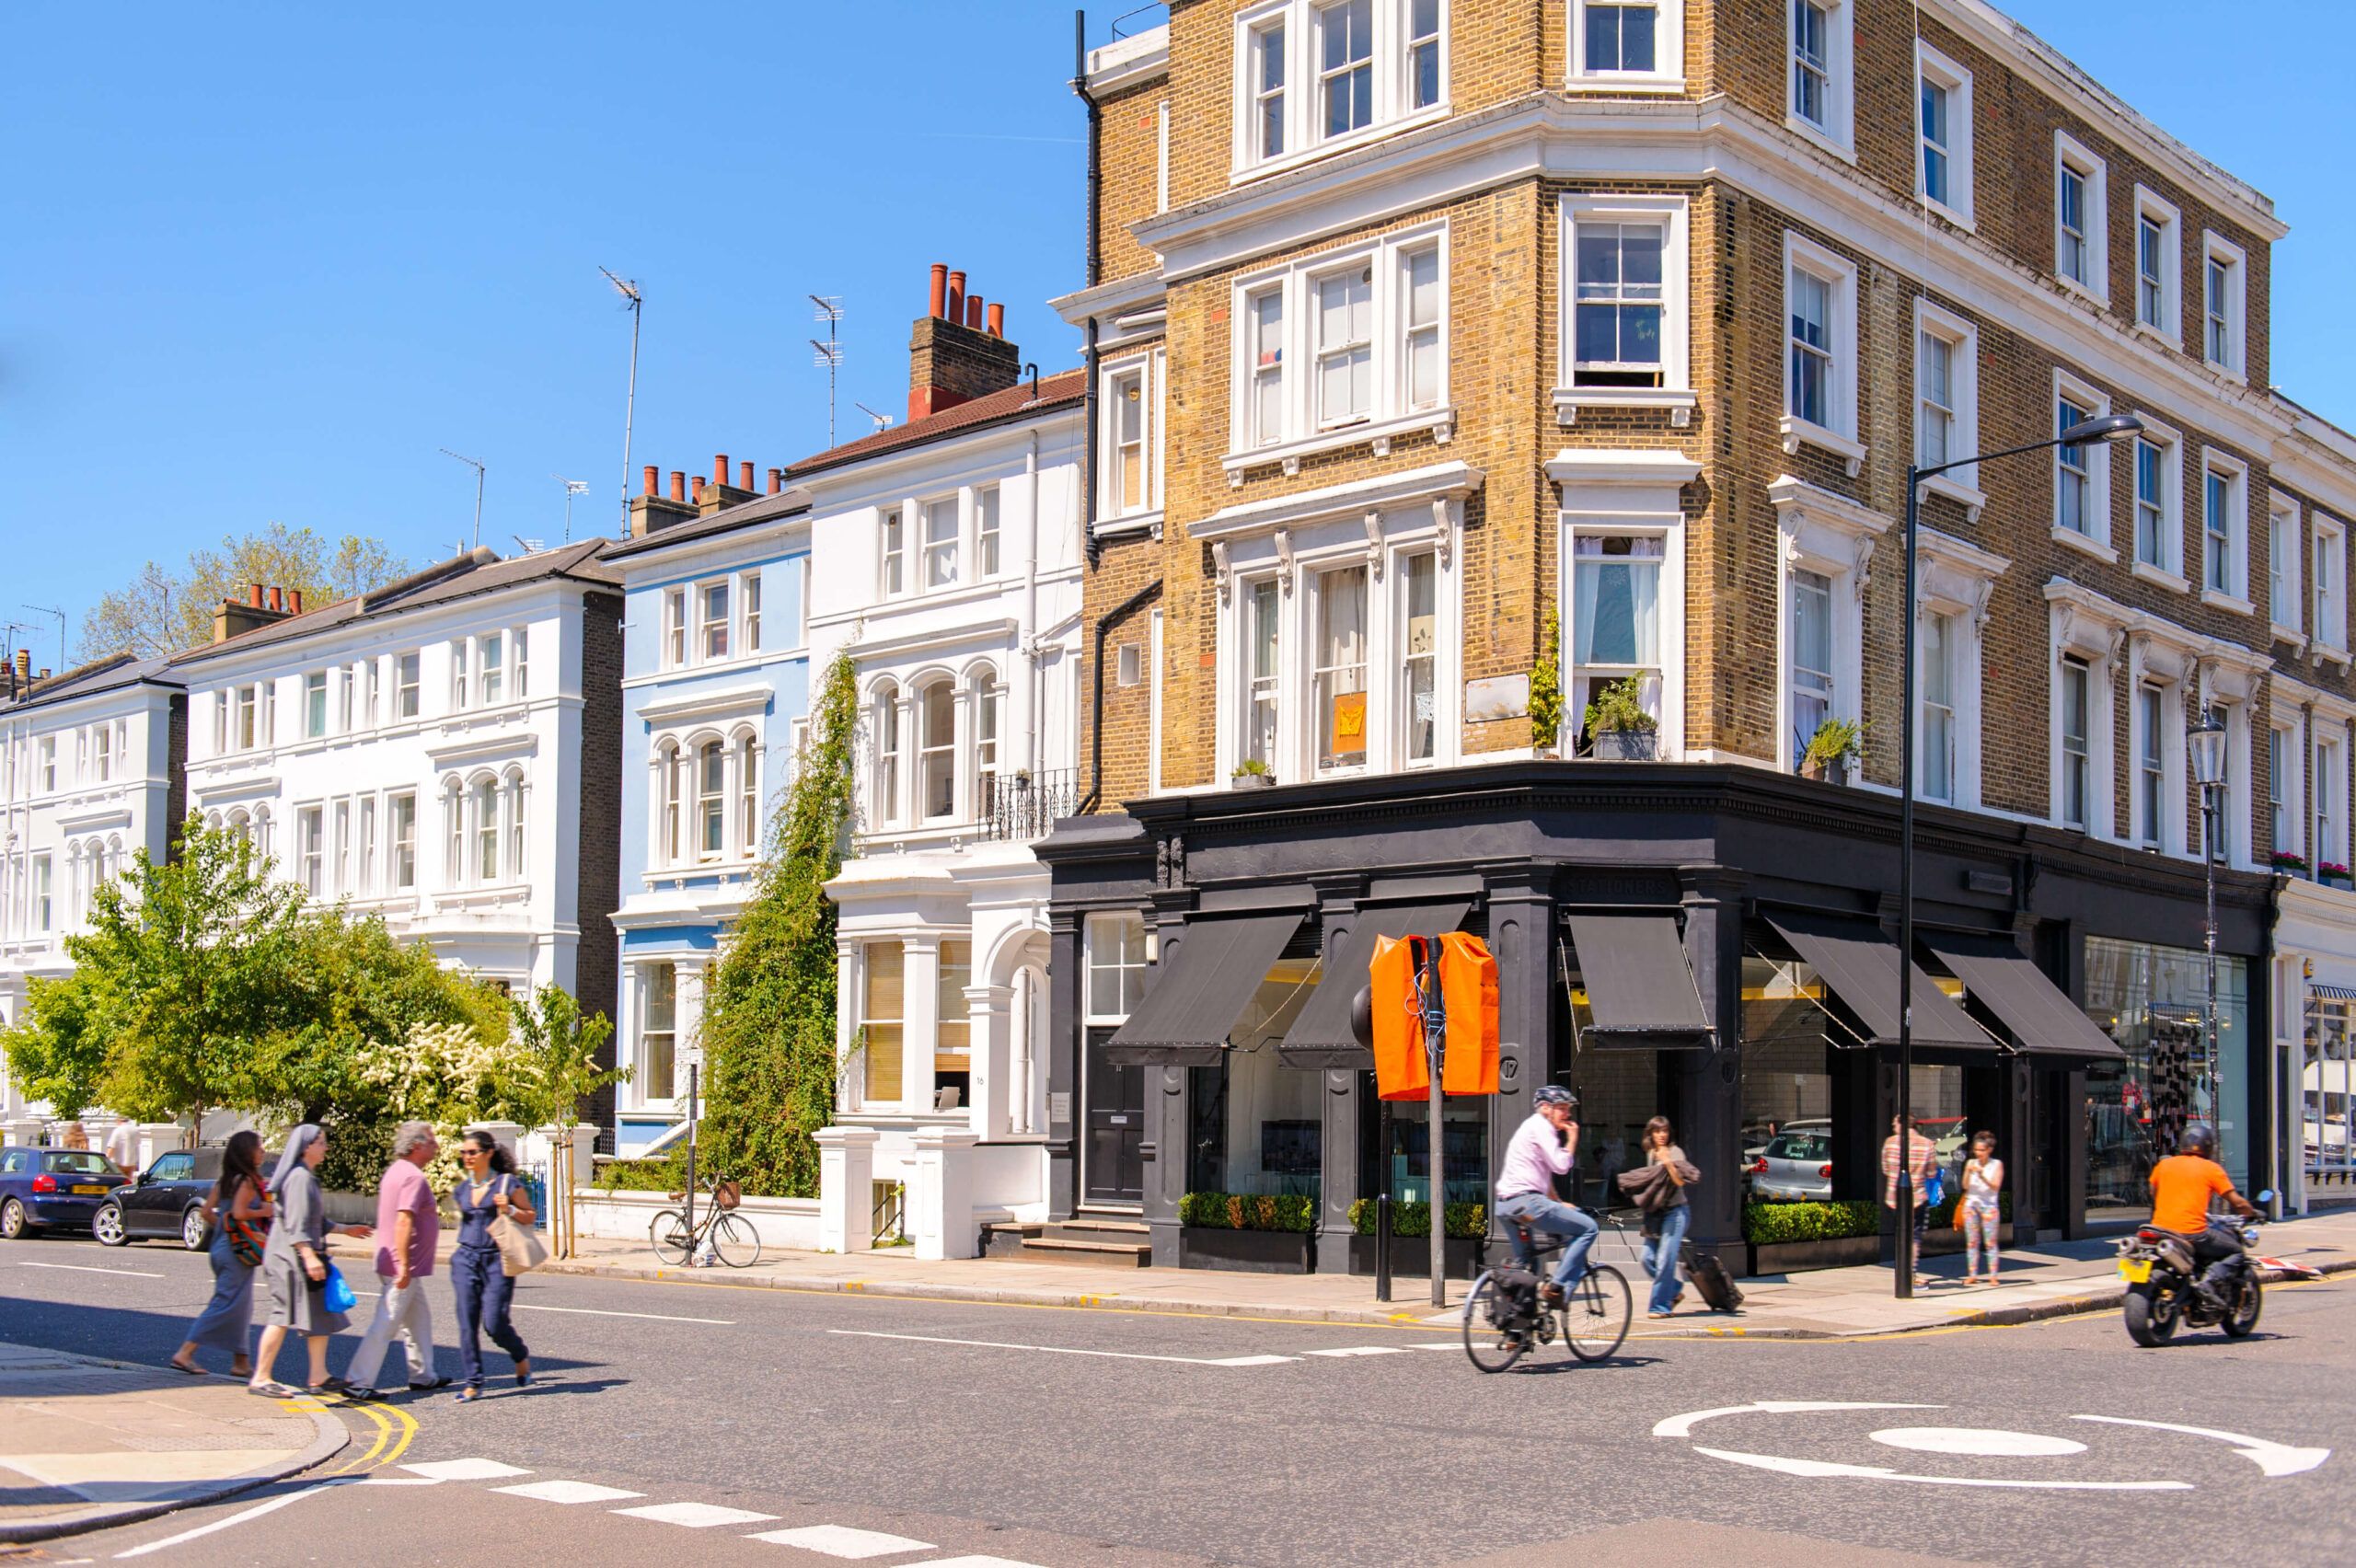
[(468, 1394), (274, 1391), (177, 1365), (330, 1386)]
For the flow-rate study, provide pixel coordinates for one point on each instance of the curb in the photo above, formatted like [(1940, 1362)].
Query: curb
[(332, 1436)]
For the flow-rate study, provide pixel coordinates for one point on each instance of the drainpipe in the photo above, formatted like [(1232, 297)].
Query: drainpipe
[(1029, 638), (1092, 272), (1126, 609)]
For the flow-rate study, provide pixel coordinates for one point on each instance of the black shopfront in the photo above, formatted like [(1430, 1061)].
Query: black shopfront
[(1713, 944)]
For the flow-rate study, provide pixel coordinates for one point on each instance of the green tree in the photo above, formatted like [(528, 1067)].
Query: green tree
[(54, 1051), (161, 611), (555, 1056), (1546, 686), (768, 1020)]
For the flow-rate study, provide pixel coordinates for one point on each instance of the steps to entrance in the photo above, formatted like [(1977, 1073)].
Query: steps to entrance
[(1096, 1243)]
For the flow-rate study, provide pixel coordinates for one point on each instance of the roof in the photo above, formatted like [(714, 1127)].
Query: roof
[(1060, 390), (462, 577), (100, 675), (743, 514)]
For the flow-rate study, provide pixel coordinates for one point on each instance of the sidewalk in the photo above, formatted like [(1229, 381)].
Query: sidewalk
[(85, 1443), (2043, 1282)]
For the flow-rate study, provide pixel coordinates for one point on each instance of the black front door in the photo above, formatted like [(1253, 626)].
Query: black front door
[(1116, 1172)]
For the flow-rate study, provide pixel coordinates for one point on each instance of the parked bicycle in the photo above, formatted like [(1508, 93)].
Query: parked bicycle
[(1505, 1318), (719, 1230)]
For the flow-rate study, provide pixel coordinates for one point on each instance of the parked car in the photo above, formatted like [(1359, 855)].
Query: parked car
[(166, 1201), (41, 1187), (1795, 1166)]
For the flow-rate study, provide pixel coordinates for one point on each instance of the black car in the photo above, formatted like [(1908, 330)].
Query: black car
[(41, 1187), (166, 1200)]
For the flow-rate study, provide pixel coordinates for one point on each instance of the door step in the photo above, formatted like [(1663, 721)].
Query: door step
[(1095, 1242), (1098, 1255)]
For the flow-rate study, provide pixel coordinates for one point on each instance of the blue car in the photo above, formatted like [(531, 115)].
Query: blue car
[(41, 1187)]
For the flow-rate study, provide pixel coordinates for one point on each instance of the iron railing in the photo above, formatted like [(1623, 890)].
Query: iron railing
[(1018, 807)]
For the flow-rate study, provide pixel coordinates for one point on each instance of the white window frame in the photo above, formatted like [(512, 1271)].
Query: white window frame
[(944, 557), (2169, 326), (2169, 572), (1938, 70), (1303, 112), (705, 625), (1150, 368), (2285, 574), (2069, 152), (1960, 485), (2065, 662), (989, 531), (2216, 249), (1301, 433), (1837, 132), (2287, 786), (1957, 579), (315, 705), (1091, 1018), (1835, 537), (2235, 595), (892, 551), (1668, 74), (1676, 391), (409, 678), (2165, 835), (2328, 825), (1840, 436), (2328, 589)]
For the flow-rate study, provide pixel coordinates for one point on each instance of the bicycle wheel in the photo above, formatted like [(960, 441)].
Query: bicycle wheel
[(738, 1244), (1491, 1348), (1595, 1319), (673, 1242)]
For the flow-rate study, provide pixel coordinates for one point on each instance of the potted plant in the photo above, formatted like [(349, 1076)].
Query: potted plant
[(1619, 728), (2334, 874), (1546, 693), (2288, 862), (1833, 750), (1251, 774)]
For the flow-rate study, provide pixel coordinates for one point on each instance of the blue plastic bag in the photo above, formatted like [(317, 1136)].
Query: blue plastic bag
[(338, 1296)]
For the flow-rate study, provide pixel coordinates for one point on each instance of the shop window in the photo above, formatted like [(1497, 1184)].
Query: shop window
[(2149, 1001), (2328, 1093)]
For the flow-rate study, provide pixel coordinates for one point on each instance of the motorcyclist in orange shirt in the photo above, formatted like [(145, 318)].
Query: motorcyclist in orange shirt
[(2181, 1188)]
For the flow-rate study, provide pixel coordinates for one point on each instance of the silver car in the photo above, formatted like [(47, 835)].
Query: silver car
[(1795, 1166)]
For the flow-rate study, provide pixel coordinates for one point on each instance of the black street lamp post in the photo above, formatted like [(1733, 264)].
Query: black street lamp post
[(2088, 433), (2206, 743)]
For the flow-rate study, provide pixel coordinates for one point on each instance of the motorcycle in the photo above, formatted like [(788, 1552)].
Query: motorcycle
[(2160, 1272)]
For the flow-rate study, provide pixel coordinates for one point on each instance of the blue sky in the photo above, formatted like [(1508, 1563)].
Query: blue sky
[(262, 261)]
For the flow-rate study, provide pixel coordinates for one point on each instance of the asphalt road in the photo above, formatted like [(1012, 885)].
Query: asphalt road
[(1124, 1440)]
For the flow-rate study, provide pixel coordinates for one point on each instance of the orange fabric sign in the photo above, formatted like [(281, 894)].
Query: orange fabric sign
[(1468, 987), (1349, 718), (1401, 1071)]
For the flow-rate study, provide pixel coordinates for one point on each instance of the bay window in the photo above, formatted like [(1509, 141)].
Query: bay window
[(953, 1044), (658, 1034), (880, 1017)]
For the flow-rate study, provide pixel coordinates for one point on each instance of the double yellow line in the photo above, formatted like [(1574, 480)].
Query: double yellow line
[(395, 1428)]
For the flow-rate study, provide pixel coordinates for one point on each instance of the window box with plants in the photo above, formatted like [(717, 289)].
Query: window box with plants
[(1255, 1232), (1251, 774), (1411, 1245), (1834, 750), (2333, 873), (1619, 730), (2288, 863)]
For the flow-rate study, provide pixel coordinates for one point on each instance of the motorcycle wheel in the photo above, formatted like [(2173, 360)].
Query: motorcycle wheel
[(2241, 1321), (2151, 1321)]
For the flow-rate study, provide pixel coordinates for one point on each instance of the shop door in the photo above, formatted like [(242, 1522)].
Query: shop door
[(1116, 1099)]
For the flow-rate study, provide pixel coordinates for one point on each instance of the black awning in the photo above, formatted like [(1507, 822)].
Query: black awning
[(1859, 964), (1199, 991), (2041, 1018), (1322, 1036), (1640, 990)]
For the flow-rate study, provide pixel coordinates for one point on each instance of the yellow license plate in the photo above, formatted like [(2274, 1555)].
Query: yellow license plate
[(2135, 1271)]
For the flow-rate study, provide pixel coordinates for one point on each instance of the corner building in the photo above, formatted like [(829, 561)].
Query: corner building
[(1417, 322)]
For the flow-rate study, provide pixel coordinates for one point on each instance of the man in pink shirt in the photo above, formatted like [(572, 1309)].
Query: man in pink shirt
[(1545, 1147), (409, 1224)]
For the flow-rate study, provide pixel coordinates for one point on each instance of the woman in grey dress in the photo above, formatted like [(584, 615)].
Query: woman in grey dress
[(295, 1264), (228, 1321)]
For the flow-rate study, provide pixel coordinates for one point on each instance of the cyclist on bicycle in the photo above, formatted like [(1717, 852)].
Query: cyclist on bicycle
[(1543, 1147)]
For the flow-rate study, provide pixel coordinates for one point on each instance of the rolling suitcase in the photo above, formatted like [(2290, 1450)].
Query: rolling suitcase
[(1711, 1281)]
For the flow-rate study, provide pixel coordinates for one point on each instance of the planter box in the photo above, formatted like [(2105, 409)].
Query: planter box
[(1253, 781), (1251, 1252), (1412, 1255), (1795, 1257), (1626, 745)]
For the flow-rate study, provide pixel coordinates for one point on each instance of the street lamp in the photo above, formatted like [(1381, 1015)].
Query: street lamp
[(2085, 433), (2206, 743)]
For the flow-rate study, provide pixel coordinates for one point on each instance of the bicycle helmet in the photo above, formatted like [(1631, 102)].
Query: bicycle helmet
[(1554, 1094)]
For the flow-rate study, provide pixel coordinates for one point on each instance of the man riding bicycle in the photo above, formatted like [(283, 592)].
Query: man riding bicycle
[(1545, 1147)]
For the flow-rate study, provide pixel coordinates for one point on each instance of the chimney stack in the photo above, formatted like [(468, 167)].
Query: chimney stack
[(719, 494), (953, 358), (24, 668), (653, 513), (259, 609)]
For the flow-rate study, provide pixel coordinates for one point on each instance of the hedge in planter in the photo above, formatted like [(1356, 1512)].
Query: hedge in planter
[(1247, 1211), (1765, 1224), (1466, 1222)]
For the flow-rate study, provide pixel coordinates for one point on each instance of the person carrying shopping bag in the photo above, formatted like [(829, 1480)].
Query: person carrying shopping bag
[(488, 1194), (295, 1265), (239, 1211), (1657, 1188)]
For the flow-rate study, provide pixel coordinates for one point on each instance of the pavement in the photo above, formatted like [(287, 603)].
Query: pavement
[(87, 1443), (2054, 1280)]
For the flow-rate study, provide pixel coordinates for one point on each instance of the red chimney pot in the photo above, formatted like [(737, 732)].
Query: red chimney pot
[(956, 296), (998, 320), (745, 469), (777, 480), (698, 490), (278, 599), (679, 484), (973, 312), (653, 480), (295, 601), (253, 594), (940, 288), (719, 470)]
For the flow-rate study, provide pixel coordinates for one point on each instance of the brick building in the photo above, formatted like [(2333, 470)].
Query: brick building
[(1417, 322)]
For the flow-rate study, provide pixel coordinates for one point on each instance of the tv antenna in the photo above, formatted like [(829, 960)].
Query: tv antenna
[(830, 353), (531, 547), (634, 300), (572, 489), (45, 610), (882, 421), (476, 463)]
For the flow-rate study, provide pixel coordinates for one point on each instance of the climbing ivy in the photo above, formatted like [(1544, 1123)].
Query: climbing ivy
[(769, 1021), (1546, 686)]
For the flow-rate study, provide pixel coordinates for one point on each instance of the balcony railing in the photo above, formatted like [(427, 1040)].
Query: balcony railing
[(1018, 807)]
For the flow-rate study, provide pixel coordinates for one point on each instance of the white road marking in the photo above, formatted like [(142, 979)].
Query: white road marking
[(255, 1512), (1981, 1442), (2274, 1458), (1818, 1467), (401, 1481), (1066, 1350), (598, 1312), (1682, 1425), (464, 1470), (568, 1492), (1365, 1350), (84, 1268), (976, 1562), (841, 1540), (1438, 1344), (696, 1515)]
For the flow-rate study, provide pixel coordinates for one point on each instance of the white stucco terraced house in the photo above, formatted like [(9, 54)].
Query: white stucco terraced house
[(714, 693)]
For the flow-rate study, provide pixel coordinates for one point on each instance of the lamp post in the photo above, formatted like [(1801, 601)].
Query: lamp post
[(2206, 743), (2086, 432)]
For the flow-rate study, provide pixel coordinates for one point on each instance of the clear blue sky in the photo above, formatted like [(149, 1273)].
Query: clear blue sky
[(262, 260)]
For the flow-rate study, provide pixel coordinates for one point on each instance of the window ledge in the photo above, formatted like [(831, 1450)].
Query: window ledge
[(1960, 220), (2165, 339), (1129, 522), (2324, 653), (482, 897), (1244, 173), (2145, 571), (2079, 542), (1798, 433), (1625, 82), (1973, 502), (1569, 400), (2231, 373), (1379, 433), (1809, 130), (2083, 291), (2290, 634), (2217, 601)]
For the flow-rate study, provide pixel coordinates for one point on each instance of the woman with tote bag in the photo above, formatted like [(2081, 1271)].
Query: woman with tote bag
[(239, 1212), (491, 1203)]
